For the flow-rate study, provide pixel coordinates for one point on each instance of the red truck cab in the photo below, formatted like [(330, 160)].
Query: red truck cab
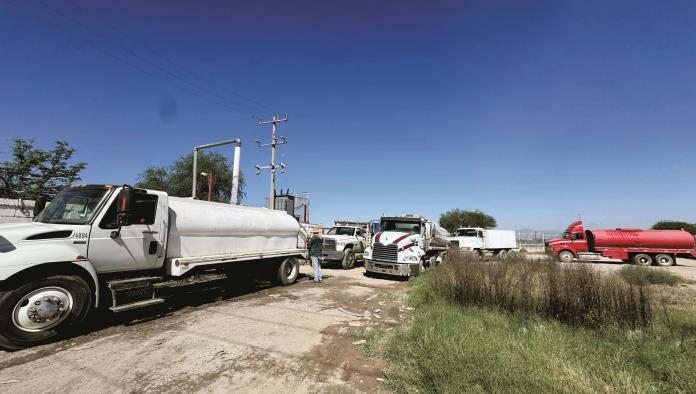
[(571, 242)]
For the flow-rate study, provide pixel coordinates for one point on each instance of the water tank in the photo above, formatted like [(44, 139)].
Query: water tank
[(634, 238), (201, 228)]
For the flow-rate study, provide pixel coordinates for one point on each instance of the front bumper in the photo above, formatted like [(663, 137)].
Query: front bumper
[(391, 268), (333, 256)]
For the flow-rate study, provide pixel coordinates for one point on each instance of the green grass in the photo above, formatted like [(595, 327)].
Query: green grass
[(451, 348), (637, 275)]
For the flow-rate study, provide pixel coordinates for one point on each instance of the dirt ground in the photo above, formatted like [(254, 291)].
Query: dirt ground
[(223, 336)]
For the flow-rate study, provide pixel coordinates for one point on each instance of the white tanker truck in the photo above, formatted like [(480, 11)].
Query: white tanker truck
[(104, 245)]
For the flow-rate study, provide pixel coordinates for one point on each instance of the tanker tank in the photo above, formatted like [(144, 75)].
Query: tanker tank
[(201, 228), (635, 238)]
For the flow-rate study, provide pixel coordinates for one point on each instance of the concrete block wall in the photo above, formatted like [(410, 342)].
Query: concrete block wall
[(15, 210)]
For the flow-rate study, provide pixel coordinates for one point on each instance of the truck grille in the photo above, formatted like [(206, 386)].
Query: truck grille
[(384, 252), (329, 245)]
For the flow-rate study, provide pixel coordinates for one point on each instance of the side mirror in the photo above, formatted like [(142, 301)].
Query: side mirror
[(123, 208), (39, 205)]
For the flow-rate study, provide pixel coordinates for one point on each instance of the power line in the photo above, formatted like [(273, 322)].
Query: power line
[(167, 59), (116, 51), (141, 58)]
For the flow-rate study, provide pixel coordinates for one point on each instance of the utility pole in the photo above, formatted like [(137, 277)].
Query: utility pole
[(274, 141)]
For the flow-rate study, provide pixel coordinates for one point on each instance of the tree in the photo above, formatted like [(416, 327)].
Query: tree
[(452, 220), (33, 172), (674, 225), (176, 179)]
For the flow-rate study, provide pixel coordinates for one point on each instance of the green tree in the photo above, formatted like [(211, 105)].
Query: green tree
[(455, 218), (33, 172), (674, 225), (176, 179)]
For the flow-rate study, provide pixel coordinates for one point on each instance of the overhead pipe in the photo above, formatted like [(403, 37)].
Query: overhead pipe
[(235, 166)]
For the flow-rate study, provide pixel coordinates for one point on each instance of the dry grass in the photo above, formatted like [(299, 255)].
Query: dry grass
[(577, 295)]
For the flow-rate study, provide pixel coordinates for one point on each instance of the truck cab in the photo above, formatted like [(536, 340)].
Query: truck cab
[(344, 244), (406, 246), (468, 238), (572, 242)]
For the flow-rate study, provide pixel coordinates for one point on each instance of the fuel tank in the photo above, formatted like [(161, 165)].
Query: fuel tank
[(636, 238)]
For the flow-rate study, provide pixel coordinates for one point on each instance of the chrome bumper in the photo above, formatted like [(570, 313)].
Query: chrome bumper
[(391, 268)]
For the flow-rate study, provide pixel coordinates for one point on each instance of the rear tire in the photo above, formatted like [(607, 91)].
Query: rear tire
[(288, 271), (348, 259), (664, 260), (42, 310), (502, 254), (565, 256), (642, 259)]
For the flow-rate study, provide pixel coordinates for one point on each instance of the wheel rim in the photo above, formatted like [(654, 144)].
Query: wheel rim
[(42, 309), (566, 257), (289, 269), (643, 260), (664, 260)]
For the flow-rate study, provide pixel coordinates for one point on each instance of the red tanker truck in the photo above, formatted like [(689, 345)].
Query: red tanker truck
[(642, 247)]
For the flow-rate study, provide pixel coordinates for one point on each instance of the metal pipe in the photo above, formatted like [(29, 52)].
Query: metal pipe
[(235, 175), (235, 166)]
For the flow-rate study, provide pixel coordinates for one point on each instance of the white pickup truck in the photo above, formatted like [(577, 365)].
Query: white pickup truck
[(482, 241), (406, 246), (104, 245), (345, 244)]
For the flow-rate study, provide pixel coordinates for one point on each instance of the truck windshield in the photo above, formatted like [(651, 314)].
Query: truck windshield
[(340, 231), (466, 233), (404, 227), (73, 206)]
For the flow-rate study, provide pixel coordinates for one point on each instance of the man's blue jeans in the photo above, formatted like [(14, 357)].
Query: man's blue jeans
[(316, 267)]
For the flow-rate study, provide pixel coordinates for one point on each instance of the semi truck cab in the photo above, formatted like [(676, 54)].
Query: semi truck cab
[(572, 242), (405, 246)]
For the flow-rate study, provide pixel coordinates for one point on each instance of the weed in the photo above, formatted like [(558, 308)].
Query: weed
[(637, 275)]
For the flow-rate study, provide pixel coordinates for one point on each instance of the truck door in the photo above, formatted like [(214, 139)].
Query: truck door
[(140, 244)]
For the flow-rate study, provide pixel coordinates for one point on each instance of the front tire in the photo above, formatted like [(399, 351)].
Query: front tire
[(348, 259), (42, 310), (288, 270), (565, 256)]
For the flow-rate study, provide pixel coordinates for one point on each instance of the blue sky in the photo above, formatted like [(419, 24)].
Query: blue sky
[(535, 112)]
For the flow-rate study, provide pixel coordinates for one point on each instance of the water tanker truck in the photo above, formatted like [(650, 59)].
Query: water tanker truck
[(642, 247), (115, 246), (405, 246)]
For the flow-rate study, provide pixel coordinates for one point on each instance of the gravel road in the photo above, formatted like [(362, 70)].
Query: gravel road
[(223, 336)]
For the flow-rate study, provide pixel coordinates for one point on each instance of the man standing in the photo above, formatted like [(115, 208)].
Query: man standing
[(315, 246)]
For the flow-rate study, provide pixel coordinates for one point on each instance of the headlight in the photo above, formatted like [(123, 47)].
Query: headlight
[(411, 258)]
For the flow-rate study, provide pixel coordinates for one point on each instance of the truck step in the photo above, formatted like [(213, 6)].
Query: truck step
[(121, 284), (135, 305)]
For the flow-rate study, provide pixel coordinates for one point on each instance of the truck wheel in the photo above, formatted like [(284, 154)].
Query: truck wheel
[(288, 271), (421, 267), (502, 254), (348, 259), (565, 256), (664, 260), (642, 259), (42, 310)]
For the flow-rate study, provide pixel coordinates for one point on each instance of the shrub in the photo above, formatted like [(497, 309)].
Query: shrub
[(577, 295), (674, 225), (636, 275)]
